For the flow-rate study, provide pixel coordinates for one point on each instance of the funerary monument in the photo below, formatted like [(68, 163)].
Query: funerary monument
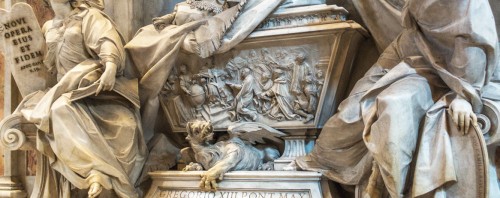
[(250, 98)]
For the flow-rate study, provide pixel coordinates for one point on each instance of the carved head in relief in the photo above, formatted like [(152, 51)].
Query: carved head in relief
[(319, 74), (183, 69), (266, 75), (200, 131), (171, 79), (265, 52), (300, 57), (253, 54), (245, 72)]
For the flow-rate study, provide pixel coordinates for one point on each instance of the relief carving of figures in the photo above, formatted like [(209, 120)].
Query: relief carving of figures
[(185, 80), (320, 80), (208, 80), (234, 67), (225, 93), (89, 131), (243, 102), (300, 69), (182, 99), (170, 88), (282, 100), (201, 28), (254, 85), (266, 83), (307, 102)]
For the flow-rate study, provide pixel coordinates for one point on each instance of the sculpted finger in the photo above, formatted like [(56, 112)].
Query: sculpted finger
[(93, 192), (474, 119), (99, 89), (202, 179), (208, 187), (202, 183), (108, 87), (112, 86), (467, 122), (455, 118), (461, 121), (214, 185)]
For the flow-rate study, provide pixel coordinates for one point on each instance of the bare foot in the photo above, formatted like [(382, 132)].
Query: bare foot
[(94, 190)]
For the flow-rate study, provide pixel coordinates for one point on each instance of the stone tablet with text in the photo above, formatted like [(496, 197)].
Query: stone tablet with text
[(23, 44)]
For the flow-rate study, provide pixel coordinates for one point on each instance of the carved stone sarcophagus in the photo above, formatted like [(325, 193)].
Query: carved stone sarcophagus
[(290, 74)]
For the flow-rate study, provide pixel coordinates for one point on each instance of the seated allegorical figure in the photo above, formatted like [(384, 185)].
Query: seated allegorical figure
[(439, 68), (89, 127)]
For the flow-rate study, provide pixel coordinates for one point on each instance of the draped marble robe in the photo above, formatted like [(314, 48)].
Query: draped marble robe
[(86, 138), (446, 49)]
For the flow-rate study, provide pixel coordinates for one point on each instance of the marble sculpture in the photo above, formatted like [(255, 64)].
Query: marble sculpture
[(396, 130)]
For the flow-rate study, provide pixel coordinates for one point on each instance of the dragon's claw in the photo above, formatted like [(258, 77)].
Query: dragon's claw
[(209, 180)]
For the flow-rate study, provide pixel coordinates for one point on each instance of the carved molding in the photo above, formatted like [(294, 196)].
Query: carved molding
[(304, 16), (11, 137)]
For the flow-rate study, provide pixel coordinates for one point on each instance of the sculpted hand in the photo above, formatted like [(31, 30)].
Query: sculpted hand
[(209, 179), (107, 80), (94, 190), (462, 114), (161, 22)]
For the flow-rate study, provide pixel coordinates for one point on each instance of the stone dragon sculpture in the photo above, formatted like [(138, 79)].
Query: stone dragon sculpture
[(236, 153)]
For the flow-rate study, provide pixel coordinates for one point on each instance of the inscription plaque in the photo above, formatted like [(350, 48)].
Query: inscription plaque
[(167, 193), (238, 184), (23, 44)]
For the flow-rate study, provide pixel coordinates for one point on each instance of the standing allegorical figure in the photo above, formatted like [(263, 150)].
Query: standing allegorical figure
[(444, 59), (89, 127)]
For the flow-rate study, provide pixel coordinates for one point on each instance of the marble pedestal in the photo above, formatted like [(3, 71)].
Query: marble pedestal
[(240, 184), (11, 187)]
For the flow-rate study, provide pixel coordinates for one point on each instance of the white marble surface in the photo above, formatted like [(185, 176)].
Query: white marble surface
[(239, 184)]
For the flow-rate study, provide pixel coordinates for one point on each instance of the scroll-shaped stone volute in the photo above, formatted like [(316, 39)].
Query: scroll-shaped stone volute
[(12, 133), (236, 153), (488, 121)]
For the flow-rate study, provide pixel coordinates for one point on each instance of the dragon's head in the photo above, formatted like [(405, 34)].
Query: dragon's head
[(199, 131)]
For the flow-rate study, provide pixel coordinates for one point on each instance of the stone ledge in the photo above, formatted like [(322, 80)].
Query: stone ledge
[(239, 184)]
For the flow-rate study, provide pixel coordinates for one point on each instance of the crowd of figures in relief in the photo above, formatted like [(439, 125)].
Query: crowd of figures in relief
[(257, 85)]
